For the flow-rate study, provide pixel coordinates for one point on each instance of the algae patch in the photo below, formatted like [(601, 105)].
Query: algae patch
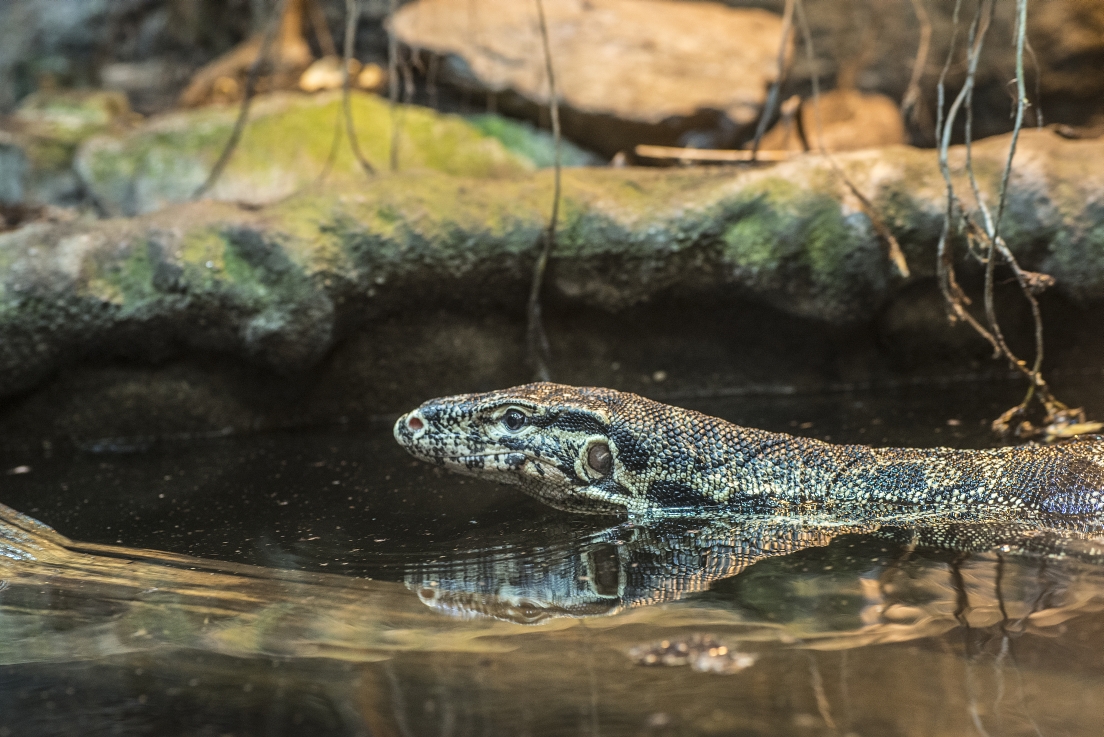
[(291, 143)]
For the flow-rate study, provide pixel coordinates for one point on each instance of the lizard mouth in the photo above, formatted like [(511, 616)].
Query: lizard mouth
[(504, 461), (511, 458)]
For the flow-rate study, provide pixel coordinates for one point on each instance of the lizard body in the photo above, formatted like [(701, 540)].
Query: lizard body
[(601, 451)]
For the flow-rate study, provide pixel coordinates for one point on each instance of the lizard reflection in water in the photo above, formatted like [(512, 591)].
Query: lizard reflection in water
[(629, 566), (610, 570), (62, 599), (607, 452)]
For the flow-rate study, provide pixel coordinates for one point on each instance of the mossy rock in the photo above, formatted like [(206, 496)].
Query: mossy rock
[(532, 144), (72, 116), (47, 128), (279, 285), (290, 144)]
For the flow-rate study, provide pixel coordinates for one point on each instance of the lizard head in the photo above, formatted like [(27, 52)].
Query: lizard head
[(557, 442)]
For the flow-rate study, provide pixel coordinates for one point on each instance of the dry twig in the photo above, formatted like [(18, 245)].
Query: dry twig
[(648, 151)]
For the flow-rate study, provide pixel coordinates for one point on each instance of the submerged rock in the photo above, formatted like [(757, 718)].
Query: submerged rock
[(662, 66), (278, 286), (166, 160)]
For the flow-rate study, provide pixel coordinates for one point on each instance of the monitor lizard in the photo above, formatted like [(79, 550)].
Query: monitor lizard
[(601, 451)]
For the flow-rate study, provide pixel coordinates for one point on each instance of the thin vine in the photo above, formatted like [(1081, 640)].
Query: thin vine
[(776, 87), (540, 353), (247, 100), (352, 15), (893, 247)]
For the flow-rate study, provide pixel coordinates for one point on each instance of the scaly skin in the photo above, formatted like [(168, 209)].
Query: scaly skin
[(621, 567), (632, 565), (671, 461)]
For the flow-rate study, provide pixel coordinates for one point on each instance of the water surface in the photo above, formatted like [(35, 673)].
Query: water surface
[(322, 582)]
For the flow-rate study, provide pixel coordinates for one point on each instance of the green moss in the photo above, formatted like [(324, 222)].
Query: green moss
[(783, 231), (414, 219), (47, 154), (51, 125), (531, 144), (766, 224), (1076, 255), (127, 281), (202, 258), (203, 247), (73, 115), (828, 238), (287, 145), (244, 279)]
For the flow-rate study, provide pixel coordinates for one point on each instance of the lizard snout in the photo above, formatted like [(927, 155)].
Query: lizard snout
[(410, 426)]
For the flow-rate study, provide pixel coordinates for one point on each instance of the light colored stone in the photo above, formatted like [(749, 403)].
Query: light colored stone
[(325, 74), (847, 120), (638, 60)]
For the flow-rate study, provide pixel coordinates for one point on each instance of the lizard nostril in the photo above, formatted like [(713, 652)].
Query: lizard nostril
[(415, 424)]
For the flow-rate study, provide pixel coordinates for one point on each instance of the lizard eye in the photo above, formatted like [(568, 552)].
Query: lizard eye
[(600, 459), (514, 420)]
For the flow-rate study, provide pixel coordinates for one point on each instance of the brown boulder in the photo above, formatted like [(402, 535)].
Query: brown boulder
[(849, 120), (667, 67)]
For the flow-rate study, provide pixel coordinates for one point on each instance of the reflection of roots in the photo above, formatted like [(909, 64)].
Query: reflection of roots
[(224, 79)]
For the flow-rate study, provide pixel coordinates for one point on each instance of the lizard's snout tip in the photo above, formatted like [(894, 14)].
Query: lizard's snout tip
[(409, 427)]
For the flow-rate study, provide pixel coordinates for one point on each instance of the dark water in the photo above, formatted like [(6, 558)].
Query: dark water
[(321, 582)]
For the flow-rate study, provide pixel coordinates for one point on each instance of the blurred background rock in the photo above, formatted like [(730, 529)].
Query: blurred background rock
[(690, 74), (150, 49), (114, 112)]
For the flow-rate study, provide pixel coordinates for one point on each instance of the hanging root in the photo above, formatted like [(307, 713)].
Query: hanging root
[(247, 99), (985, 243), (912, 93), (772, 97), (893, 248), (352, 15), (539, 349)]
